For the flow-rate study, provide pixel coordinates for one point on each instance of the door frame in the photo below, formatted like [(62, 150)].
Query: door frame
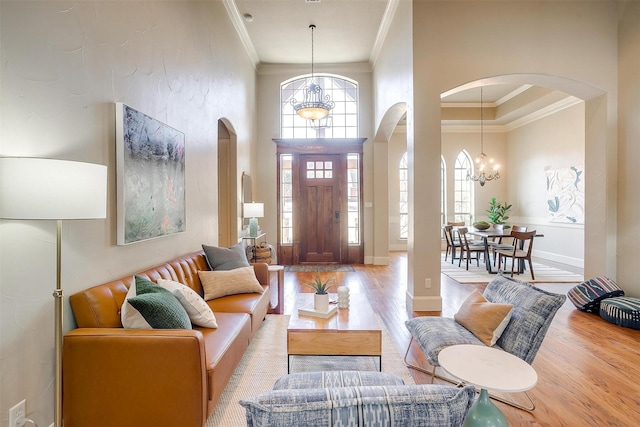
[(290, 254)]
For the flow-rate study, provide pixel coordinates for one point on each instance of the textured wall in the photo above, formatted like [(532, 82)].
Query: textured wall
[(63, 65)]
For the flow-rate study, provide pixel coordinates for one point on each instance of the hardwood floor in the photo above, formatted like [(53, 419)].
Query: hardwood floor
[(588, 369)]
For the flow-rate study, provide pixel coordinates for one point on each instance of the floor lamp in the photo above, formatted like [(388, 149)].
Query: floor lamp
[(47, 189)]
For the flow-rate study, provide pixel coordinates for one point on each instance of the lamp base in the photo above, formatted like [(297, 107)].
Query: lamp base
[(253, 227)]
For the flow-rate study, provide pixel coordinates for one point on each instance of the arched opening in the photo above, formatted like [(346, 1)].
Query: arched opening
[(228, 199)]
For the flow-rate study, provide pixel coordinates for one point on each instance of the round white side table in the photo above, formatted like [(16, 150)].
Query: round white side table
[(488, 369)]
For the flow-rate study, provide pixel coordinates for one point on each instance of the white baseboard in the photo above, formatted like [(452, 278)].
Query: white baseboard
[(381, 260), (575, 262), (426, 303)]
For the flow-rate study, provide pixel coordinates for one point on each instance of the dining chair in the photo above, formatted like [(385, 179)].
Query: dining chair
[(503, 243), (452, 242), (467, 248), (456, 224), (521, 250)]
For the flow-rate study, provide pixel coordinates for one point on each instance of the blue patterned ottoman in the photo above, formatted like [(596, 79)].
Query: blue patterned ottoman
[(588, 294), (622, 311)]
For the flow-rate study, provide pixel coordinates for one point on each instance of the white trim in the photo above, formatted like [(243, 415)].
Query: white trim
[(383, 30), (543, 112), (368, 259), (301, 69), (238, 23), (427, 303), (562, 259), (381, 260)]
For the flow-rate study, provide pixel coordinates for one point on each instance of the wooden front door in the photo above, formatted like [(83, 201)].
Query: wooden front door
[(320, 209)]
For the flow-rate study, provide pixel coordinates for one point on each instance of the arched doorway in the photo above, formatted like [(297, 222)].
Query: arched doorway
[(227, 185)]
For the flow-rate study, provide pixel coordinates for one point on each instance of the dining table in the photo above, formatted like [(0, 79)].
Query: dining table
[(492, 233)]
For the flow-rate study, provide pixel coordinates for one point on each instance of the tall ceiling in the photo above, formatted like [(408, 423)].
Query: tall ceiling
[(352, 31)]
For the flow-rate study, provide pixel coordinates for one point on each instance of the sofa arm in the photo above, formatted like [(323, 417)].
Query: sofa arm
[(126, 377), (262, 272)]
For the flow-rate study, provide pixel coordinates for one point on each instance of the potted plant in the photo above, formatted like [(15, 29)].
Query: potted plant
[(321, 288), (497, 211)]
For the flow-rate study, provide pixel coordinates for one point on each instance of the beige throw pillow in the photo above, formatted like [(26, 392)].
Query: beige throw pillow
[(484, 319), (218, 284)]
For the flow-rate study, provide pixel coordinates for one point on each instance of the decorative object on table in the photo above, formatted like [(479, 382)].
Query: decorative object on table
[(497, 211), (32, 188), (565, 194), (264, 253), (150, 160), (481, 225), (343, 297), (253, 211), (318, 312), (482, 175), (321, 288), (315, 105)]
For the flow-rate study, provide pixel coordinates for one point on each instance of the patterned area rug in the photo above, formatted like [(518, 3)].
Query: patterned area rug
[(266, 360), (320, 268), (543, 273)]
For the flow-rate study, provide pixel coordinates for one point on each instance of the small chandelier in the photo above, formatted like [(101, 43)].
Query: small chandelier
[(316, 105), (483, 164)]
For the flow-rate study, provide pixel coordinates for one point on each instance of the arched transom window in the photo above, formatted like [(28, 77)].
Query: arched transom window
[(342, 121)]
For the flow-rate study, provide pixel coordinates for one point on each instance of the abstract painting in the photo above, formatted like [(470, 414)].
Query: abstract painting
[(150, 177), (565, 194)]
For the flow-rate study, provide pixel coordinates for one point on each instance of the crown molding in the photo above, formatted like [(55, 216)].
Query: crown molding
[(383, 30), (241, 30)]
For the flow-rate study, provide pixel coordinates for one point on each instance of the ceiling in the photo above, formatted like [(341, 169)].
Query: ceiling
[(352, 31)]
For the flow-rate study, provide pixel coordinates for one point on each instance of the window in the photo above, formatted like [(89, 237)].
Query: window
[(342, 121), (353, 198), (404, 198), (286, 199), (463, 189)]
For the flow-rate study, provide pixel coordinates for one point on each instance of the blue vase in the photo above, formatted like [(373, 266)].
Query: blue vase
[(483, 413)]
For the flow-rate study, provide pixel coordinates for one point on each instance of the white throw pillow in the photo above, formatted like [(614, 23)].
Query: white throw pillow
[(199, 312)]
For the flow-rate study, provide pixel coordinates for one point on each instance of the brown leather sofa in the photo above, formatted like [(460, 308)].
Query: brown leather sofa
[(116, 377)]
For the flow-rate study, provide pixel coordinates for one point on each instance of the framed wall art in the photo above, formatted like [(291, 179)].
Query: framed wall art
[(150, 163), (565, 194)]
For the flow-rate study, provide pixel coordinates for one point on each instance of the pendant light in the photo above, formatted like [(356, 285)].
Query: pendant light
[(483, 164)]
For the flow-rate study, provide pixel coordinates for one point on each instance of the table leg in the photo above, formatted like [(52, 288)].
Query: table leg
[(484, 413), (487, 258)]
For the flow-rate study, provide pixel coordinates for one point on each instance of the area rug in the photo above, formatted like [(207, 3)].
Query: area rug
[(266, 360), (320, 268), (543, 273)]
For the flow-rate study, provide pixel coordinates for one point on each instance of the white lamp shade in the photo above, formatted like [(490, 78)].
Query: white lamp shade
[(34, 188), (253, 210)]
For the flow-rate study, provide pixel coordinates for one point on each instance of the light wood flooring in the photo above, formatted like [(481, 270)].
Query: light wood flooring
[(588, 369)]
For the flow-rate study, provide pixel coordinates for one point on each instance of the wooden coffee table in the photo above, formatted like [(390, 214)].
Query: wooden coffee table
[(350, 332)]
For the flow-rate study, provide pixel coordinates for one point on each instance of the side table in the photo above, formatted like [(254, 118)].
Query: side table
[(488, 369), (278, 271)]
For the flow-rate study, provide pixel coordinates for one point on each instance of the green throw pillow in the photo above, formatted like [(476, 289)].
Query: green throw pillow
[(149, 306)]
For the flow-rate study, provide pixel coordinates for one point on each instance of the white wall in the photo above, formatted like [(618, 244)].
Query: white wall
[(397, 146), (63, 65), (570, 46), (629, 149), (555, 141), (265, 186)]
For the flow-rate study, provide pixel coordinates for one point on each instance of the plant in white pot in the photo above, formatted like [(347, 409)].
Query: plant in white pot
[(497, 212), (321, 288)]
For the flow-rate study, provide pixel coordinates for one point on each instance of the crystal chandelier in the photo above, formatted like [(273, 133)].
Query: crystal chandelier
[(486, 170), (316, 105)]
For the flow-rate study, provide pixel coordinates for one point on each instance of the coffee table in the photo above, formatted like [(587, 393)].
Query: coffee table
[(350, 332), (488, 369)]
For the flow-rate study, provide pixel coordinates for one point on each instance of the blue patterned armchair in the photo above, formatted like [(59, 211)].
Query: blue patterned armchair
[(533, 311)]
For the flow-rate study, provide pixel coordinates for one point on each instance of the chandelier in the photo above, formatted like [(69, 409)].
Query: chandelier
[(486, 169), (316, 104)]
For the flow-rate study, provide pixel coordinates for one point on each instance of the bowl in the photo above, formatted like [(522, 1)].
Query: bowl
[(481, 226)]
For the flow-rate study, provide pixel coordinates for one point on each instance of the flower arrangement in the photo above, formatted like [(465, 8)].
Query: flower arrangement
[(321, 287)]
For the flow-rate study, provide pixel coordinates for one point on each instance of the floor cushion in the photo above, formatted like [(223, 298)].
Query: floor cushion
[(587, 295), (622, 311)]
